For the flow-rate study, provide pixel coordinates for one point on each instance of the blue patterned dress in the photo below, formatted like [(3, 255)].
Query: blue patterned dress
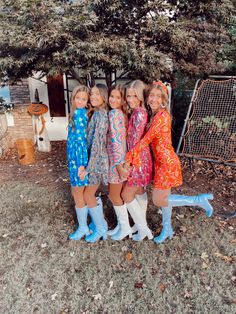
[(98, 164), (76, 146)]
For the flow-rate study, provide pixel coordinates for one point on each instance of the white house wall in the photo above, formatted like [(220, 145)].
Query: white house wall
[(56, 126)]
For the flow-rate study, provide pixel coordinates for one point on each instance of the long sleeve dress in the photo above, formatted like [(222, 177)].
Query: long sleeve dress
[(98, 164), (116, 144), (76, 146), (142, 175), (167, 168)]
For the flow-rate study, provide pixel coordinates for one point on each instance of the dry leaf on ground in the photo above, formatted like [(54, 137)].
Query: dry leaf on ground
[(162, 288), (226, 258), (129, 256)]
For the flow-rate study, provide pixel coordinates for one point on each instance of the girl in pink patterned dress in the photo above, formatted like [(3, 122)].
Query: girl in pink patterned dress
[(133, 193), (116, 148)]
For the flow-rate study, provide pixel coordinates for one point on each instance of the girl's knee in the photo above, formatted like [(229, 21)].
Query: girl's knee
[(160, 201), (127, 197), (116, 199), (87, 196), (111, 198)]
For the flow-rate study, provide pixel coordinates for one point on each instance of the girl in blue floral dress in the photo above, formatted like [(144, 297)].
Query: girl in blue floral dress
[(77, 155)]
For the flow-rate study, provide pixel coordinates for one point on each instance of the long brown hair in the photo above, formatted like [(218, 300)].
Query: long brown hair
[(124, 106), (103, 90), (77, 89)]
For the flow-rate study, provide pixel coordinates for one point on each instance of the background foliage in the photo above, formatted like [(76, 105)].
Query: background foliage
[(148, 39)]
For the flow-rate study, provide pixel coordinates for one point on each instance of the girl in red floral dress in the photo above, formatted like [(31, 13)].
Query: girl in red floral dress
[(133, 192)]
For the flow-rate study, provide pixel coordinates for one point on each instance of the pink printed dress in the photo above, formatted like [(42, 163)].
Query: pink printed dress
[(116, 144), (141, 176)]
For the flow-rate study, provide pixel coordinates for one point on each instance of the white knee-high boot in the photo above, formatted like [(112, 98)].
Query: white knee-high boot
[(124, 229), (140, 220)]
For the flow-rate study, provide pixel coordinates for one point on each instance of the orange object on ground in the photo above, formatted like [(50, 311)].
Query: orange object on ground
[(167, 168), (25, 149)]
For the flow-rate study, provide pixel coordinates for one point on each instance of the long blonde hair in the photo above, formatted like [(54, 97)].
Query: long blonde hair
[(77, 89), (140, 90)]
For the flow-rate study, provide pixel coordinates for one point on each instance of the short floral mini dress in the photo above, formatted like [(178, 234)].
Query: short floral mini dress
[(76, 146), (116, 144), (142, 175), (98, 162)]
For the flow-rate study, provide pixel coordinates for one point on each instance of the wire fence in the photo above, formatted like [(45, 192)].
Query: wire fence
[(211, 126)]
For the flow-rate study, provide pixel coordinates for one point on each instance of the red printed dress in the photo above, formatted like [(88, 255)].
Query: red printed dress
[(167, 167), (142, 175)]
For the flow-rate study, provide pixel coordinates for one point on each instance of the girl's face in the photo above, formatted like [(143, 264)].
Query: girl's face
[(115, 100), (132, 99), (96, 99), (81, 100), (155, 99)]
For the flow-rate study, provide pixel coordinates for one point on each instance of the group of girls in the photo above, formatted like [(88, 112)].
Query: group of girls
[(108, 143)]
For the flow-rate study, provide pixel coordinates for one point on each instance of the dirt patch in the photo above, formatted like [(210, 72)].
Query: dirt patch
[(42, 272)]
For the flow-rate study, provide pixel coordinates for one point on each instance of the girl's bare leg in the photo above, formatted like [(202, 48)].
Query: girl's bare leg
[(115, 194), (129, 192), (140, 190), (78, 195), (160, 197), (89, 195)]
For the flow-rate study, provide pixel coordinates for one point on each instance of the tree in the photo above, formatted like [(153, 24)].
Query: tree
[(148, 39)]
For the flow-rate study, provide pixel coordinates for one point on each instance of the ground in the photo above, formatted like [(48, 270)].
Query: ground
[(41, 271)]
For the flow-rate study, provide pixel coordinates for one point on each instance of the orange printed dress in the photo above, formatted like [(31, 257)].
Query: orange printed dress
[(167, 168)]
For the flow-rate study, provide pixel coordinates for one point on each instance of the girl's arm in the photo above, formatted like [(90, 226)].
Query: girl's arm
[(80, 125), (132, 157), (90, 133)]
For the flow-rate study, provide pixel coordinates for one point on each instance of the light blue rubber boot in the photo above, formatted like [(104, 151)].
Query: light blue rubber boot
[(201, 200), (167, 231), (92, 225), (83, 229), (97, 217)]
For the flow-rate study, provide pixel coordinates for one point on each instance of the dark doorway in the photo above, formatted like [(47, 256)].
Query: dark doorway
[(56, 96)]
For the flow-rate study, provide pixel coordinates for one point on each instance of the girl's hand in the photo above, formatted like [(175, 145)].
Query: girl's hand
[(82, 173), (123, 172)]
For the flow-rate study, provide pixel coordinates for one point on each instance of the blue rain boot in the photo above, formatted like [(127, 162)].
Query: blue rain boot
[(97, 216), (83, 229), (167, 231), (92, 225), (201, 200), (124, 229)]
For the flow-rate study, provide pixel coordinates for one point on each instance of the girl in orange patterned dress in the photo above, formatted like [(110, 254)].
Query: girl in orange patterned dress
[(167, 167)]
